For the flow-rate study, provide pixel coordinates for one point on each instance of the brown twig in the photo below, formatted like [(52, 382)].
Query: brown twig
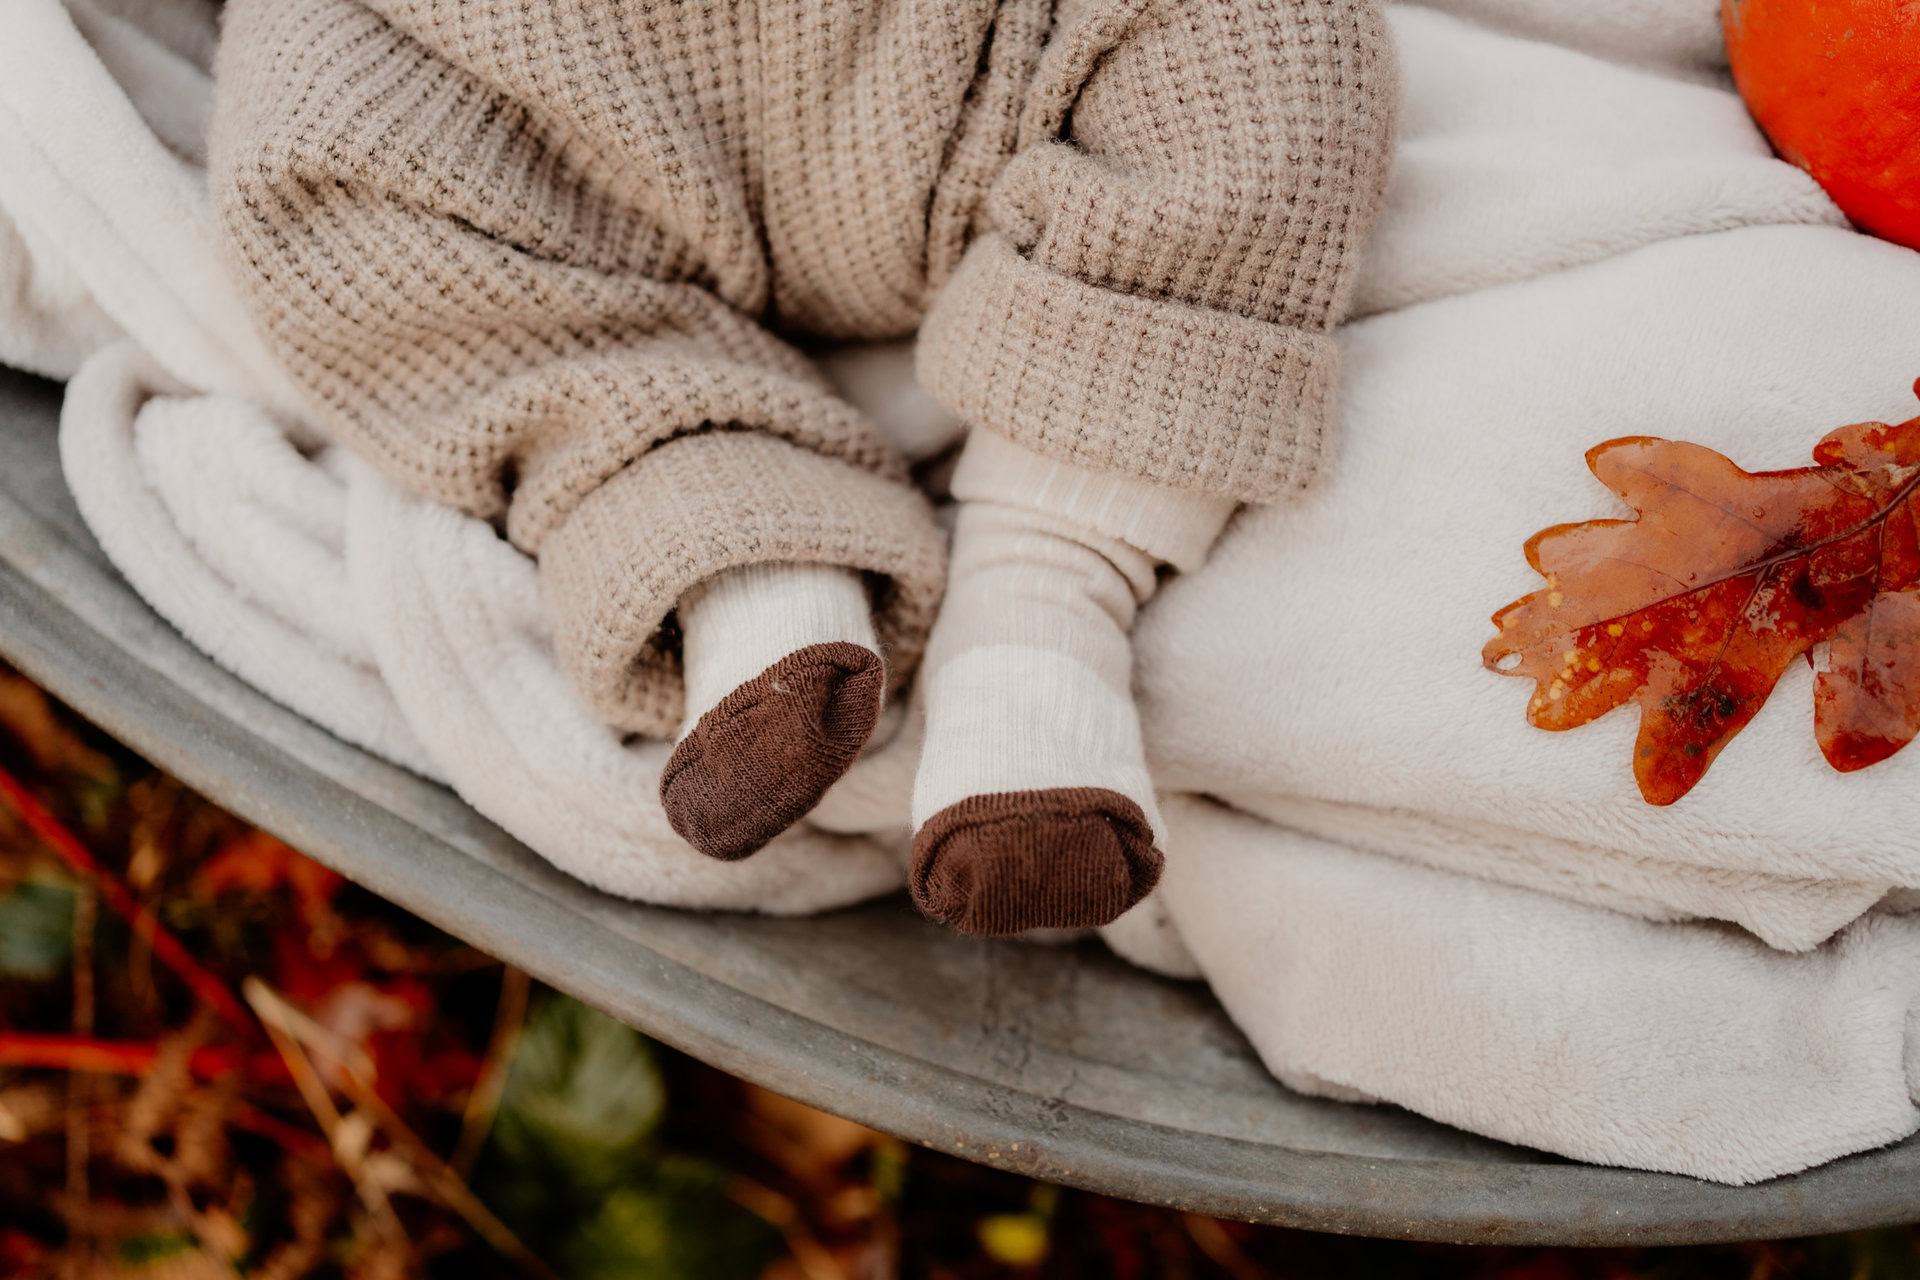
[(284, 1022), (1221, 1248), (447, 1186), (167, 1104), (775, 1209), (166, 948), (159, 1096), (484, 1100), (80, 1084), (277, 1017)]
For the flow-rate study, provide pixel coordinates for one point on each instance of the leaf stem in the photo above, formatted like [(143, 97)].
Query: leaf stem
[(483, 1101)]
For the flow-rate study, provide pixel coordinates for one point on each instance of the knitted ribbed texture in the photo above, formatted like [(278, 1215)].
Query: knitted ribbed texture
[(1179, 232), (512, 248), (705, 503), (1000, 865)]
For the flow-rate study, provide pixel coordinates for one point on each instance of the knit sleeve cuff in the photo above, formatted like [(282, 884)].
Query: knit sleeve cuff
[(1183, 396), (692, 507)]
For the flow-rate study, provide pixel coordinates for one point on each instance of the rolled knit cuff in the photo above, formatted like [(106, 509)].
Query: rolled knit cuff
[(704, 503), (1184, 396)]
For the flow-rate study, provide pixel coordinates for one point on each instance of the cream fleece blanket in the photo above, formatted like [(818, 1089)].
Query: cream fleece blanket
[(1734, 311), (1585, 238), (1575, 248), (186, 456)]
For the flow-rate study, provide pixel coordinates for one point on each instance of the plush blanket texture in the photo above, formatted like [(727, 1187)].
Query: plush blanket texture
[(1398, 889)]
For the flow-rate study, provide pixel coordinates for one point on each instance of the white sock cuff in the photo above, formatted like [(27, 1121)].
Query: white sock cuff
[(741, 621), (1176, 526)]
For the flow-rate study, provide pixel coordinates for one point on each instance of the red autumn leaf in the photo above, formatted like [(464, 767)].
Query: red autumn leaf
[(1695, 608)]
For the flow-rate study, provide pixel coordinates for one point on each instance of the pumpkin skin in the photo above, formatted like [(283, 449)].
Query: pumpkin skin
[(1836, 86)]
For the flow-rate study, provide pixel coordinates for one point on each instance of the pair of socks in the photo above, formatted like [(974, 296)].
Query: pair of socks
[(1032, 805)]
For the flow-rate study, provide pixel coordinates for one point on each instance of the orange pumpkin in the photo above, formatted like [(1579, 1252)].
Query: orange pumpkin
[(1836, 86)]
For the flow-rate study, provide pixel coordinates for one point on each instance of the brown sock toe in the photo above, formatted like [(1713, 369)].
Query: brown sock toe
[(1064, 858), (757, 762)]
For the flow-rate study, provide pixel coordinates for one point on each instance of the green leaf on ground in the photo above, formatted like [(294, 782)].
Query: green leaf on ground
[(573, 1168), (581, 1095), (36, 929)]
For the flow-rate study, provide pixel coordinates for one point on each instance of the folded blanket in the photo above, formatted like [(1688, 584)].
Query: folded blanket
[(191, 464), (1575, 249), (1684, 1048), (1585, 238), (106, 242), (404, 627), (108, 225), (1466, 420)]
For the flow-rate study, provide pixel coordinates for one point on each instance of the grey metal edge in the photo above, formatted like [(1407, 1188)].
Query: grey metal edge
[(1060, 1063)]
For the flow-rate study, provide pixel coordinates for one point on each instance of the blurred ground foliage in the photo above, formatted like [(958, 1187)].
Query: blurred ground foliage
[(219, 1059)]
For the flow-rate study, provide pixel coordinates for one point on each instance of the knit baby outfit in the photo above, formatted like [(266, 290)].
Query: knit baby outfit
[(529, 256)]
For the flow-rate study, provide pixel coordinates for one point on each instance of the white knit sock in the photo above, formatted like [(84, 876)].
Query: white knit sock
[(738, 623), (1032, 802), (784, 683)]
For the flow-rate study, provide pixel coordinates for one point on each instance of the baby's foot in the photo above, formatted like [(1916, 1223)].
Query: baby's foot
[(1033, 805), (784, 685), (1058, 858)]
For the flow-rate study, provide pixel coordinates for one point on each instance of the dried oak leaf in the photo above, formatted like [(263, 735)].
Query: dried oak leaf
[(1695, 608)]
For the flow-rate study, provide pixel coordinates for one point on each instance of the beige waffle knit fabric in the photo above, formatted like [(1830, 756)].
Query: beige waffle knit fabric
[(530, 257)]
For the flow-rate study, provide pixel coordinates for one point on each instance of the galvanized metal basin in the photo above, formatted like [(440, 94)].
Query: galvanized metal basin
[(1061, 1063)]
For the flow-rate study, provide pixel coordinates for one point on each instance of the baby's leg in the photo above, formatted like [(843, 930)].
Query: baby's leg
[(784, 684), (1033, 803), (526, 315), (1141, 342)]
